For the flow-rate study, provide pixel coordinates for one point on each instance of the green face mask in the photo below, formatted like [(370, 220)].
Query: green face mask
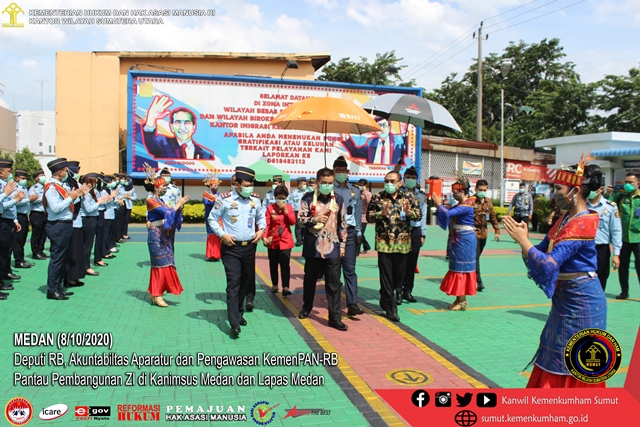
[(341, 177), (481, 194), (390, 188), (22, 183), (410, 183), (76, 176), (167, 179), (593, 195), (303, 187), (628, 188), (273, 187), (246, 191), (326, 189), (10, 176), (42, 179)]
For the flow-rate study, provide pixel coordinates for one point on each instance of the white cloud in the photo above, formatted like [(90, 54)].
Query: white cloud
[(30, 63)]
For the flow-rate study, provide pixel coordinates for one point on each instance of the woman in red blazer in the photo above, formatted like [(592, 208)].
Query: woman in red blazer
[(278, 238)]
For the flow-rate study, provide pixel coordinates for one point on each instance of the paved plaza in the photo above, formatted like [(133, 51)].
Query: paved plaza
[(487, 346)]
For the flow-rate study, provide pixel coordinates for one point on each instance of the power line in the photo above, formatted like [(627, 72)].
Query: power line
[(540, 16), (523, 13), (451, 57), (510, 10)]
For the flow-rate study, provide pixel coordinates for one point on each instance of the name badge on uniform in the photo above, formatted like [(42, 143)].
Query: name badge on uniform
[(487, 216), (280, 231), (250, 222), (234, 205)]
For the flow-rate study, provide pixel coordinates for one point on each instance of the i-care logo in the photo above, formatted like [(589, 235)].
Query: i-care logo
[(13, 10), (54, 411)]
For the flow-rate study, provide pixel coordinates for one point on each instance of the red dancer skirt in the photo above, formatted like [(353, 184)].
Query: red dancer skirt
[(459, 284), (164, 279), (213, 246), (543, 379)]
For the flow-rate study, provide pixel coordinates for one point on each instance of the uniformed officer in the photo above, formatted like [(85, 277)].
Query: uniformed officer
[(59, 204), (418, 234), (269, 198), (294, 201), (240, 210), (313, 183), (9, 224), (353, 206), (7, 202), (23, 207), (609, 233), (38, 216), (522, 206), (170, 198)]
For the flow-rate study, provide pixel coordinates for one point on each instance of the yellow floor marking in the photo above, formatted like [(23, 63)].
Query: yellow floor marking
[(622, 370), (505, 307)]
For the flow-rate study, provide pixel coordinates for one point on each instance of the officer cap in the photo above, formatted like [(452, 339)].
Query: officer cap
[(246, 174), (277, 178), (165, 171), (302, 179), (57, 164), (6, 163), (21, 173), (38, 173), (340, 162)]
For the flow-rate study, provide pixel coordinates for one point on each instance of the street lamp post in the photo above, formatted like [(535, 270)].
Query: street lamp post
[(506, 67)]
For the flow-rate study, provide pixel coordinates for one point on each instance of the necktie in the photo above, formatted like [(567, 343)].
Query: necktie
[(183, 149), (383, 160)]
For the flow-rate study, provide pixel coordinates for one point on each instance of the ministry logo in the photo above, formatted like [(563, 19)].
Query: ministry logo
[(13, 10)]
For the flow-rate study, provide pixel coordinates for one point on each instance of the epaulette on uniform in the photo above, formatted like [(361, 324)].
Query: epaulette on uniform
[(227, 194), (256, 195), (610, 202)]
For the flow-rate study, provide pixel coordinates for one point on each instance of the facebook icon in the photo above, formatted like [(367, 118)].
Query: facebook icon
[(420, 398)]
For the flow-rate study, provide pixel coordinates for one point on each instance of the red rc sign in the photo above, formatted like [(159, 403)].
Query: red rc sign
[(525, 171)]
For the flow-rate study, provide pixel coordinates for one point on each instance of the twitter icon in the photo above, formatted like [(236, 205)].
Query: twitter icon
[(464, 400)]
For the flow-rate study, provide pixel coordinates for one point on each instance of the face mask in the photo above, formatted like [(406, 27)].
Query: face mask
[(113, 185), (390, 188), (628, 188), (562, 202), (22, 183), (326, 189), (167, 179), (341, 177), (273, 187), (410, 183), (593, 195), (246, 191), (162, 193), (76, 176), (10, 176), (64, 178), (481, 194), (521, 191), (42, 179), (303, 187)]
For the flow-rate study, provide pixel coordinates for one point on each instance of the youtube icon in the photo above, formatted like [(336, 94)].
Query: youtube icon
[(486, 400)]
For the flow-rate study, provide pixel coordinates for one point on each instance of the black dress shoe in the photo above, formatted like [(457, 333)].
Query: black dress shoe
[(243, 322), (337, 324), (104, 264), (3, 296), (57, 296), (480, 287), (6, 287), (39, 257), (95, 273), (78, 283), (44, 255), (354, 310), (30, 263), (11, 276), (298, 244), (303, 314), (22, 264), (235, 330), (407, 296), (393, 317), (249, 307), (65, 293), (109, 256), (623, 295), (398, 299)]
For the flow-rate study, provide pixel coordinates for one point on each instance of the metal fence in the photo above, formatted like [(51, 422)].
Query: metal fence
[(439, 163)]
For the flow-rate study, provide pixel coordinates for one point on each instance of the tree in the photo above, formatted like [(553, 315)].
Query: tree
[(27, 161), (544, 97), (619, 103), (383, 71)]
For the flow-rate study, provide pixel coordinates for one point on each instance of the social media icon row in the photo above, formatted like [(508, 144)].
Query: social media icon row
[(442, 399)]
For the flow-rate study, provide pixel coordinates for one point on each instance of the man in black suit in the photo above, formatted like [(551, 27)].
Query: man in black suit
[(183, 125)]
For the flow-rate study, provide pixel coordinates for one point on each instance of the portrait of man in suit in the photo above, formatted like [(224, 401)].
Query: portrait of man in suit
[(380, 148), (183, 124)]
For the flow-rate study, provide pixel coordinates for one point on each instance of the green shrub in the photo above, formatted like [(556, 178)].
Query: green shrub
[(139, 213), (500, 212), (191, 213)]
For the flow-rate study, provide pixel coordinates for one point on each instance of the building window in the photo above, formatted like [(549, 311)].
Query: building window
[(50, 149), (40, 144), (40, 153)]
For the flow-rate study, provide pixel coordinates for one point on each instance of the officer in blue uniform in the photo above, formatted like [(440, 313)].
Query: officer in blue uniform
[(294, 200), (170, 198), (7, 204), (418, 234), (353, 206), (609, 233), (269, 198), (38, 216), (9, 220), (59, 205), (241, 213), (23, 207)]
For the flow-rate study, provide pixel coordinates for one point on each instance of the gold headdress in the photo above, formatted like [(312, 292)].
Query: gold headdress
[(209, 178), (568, 176), (152, 177), (462, 182)]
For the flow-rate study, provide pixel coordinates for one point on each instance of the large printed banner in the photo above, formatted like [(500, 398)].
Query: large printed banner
[(196, 125)]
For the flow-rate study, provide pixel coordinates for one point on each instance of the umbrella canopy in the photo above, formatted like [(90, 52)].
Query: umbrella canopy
[(266, 171), (326, 115), (413, 110)]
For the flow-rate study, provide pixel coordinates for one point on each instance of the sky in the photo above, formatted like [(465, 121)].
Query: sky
[(434, 38)]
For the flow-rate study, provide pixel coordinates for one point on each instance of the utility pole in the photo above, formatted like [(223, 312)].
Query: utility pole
[(42, 82), (479, 108)]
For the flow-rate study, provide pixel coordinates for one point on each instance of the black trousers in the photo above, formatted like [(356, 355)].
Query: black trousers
[(38, 231), (89, 224), (625, 261), (412, 261), (99, 246), (107, 237), (240, 268), (363, 241), (121, 212), (479, 249), (298, 230), (111, 242), (6, 236), (59, 234), (75, 258), (348, 262), (20, 238), (282, 258), (127, 219), (392, 268), (332, 285)]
